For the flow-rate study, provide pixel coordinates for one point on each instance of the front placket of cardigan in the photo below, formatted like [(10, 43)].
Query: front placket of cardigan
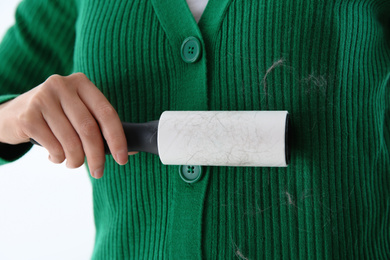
[(189, 92)]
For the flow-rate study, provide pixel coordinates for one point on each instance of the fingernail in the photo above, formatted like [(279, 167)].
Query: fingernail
[(121, 158), (98, 173)]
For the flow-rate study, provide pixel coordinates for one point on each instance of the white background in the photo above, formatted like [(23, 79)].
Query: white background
[(45, 209)]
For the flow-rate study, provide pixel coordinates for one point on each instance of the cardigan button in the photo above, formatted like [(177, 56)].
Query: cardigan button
[(190, 173), (191, 50)]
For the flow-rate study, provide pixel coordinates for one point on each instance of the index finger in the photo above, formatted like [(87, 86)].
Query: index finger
[(107, 118)]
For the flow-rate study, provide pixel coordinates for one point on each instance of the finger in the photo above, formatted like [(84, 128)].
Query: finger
[(132, 153), (107, 119), (65, 134), (89, 133), (39, 130)]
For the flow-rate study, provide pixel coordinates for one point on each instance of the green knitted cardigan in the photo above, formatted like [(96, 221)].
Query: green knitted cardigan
[(326, 62)]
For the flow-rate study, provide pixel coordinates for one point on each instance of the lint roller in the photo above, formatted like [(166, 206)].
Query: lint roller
[(215, 138)]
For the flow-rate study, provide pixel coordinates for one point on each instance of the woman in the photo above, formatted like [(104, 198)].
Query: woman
[(326, 62)]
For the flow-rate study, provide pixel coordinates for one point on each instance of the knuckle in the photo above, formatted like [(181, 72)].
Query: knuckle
[(57, 152), (78, 77), (74, 162), (38, 101), (106, 112), (54, 80), (89, 128), (74, 157), (27, 122), (73, 144), (54, 77), (57, 158), (54, 83)]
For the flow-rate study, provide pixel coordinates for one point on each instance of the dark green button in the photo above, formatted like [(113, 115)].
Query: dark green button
[(190, 173), (191, 50)]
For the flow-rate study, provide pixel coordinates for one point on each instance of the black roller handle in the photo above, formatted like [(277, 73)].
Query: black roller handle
[(141, 137)]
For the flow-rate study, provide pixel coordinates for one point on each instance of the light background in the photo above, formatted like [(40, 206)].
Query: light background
[(45, 209)]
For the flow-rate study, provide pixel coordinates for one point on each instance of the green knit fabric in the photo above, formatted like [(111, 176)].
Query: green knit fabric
[(326, 62)]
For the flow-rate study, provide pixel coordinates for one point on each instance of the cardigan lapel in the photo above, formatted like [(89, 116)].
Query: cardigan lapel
[(177, 20), (211, 19), (179, 23)]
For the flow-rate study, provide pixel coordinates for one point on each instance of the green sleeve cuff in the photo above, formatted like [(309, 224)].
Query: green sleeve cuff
[(5, 98), (10, 153)]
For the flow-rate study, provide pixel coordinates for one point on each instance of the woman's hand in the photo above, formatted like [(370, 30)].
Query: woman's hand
[(67, 116)]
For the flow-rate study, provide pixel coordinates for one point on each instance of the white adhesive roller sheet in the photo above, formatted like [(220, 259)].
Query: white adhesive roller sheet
[(224, 138)]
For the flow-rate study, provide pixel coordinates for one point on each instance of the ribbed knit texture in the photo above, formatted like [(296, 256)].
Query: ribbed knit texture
[(326, 62)]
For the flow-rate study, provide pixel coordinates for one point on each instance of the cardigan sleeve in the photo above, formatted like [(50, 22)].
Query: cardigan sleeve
[(40, 44)]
